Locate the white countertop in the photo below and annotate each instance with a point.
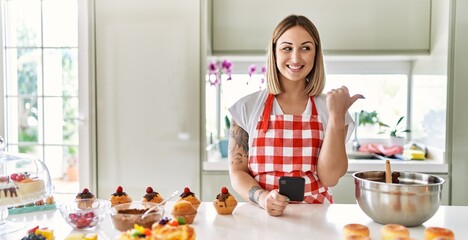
(300, 221)
(425, 166)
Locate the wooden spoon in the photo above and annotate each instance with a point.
(388, 172)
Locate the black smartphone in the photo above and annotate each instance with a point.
(292, 187)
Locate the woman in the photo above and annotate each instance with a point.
(290, 129)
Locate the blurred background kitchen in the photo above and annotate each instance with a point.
(135, 93)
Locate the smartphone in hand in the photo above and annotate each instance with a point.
(292, 187)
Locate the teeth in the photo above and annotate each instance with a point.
(295, 67)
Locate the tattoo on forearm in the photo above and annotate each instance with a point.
(255, 190)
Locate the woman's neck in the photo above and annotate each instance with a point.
(293, 100)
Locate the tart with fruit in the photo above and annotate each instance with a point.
(138, 232)
(173, 229)
(119, 197)
(152, 196)
(224, 202)
(189, 196)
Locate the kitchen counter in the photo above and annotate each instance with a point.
(354, 165)
(300, 221)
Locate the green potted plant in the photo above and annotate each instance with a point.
(396, 132)
(368, 118)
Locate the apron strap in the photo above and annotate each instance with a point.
(314, 109)
(267, 111)
(269, 105)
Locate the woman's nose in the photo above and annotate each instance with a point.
(295, 55)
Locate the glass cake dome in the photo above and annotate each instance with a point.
(23, 180)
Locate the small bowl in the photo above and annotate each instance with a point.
(125, 215)
(83, 218)
(410, 202)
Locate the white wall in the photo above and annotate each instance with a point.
(148, 94)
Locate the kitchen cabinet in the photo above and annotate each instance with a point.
(213, 181)
(147, 81)
(343, 192)
(346, 27)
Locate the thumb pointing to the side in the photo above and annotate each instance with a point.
(354, 98)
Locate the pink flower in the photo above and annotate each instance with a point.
(214, 72)
(263, 75)
(226, 67)
(252, 69)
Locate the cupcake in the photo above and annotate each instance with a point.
(85, 199)
(224, 202)
(189, 196)
(119, 197)
(185, 210)
(152, 196)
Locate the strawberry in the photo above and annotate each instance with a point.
(20, 177)
(85, 191)
(13, 176)
(33, 230)
(224, 190)
(89, 215)
(149, 190)
(186, 190)
(73, 217)
(119, 189)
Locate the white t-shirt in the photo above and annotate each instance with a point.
(246, 112)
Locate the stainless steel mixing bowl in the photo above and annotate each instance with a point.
(411, 202)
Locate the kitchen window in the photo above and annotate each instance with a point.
(40, 100)
(389, 88)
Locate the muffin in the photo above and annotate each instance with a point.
(189, 196)
(185, 210)
(391, 231)
(85, 199)
(438, 232)
(224, 202)
(173, 229)
(119, 197)
(152, 196)
(353, 230)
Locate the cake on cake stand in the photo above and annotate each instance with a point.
(23, 180)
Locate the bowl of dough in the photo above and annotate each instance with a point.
(409, 200)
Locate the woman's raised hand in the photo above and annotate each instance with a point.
(339, 101)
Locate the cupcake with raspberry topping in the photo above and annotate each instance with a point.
(189, 196)
(224, 202)
(85, 199)
(119, 197)
(152, 196)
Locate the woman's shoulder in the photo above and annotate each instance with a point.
(321, 99)
(253, 98)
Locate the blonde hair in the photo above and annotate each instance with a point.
(316, 77)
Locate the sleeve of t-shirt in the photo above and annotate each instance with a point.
(239, 114)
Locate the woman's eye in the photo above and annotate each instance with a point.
(286, 49)
(307, 48)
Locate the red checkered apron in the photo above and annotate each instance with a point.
(288, 145)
